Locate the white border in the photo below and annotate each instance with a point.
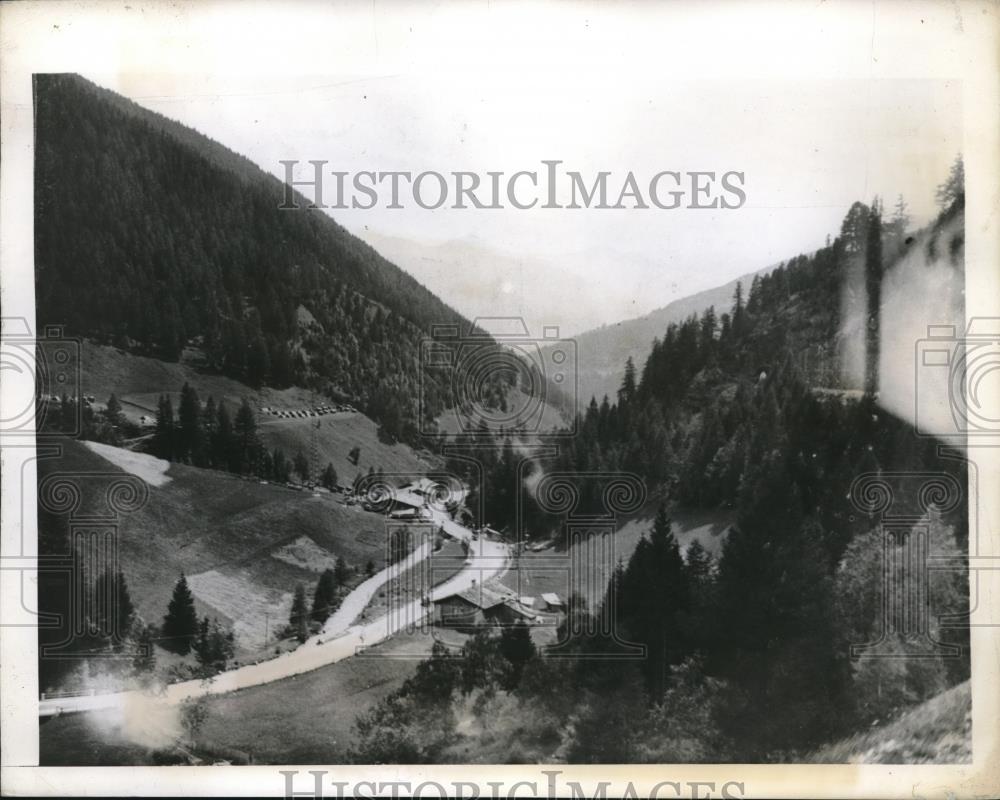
(778, 40)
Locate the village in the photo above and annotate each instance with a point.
(483, 603)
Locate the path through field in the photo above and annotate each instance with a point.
(339, 639)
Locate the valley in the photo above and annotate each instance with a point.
(280, 510)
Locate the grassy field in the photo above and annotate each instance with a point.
(303, 720)
(938, 731)
(334, 438)
(308, 719)
(138, 382)
(224, 533)
(549, 570)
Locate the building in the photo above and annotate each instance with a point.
(552, 602)
(479, 606)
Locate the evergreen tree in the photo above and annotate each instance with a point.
(114, 411)
(280, 467)
(341, 573)
(328, 478)
(699, 564)
(247, 445)
(214, 645)
(223, 444)
(324, 596)
(298, 618)
(952, 191)
(180, 625)
(653, 602)
(113, 607)
(164, 436)
(301, 465)
(189, 434)
(738, 310)
(209, 430)
(628, 388)
(518, 649)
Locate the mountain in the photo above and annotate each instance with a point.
(153, 237)
(486, 282)
(574, 290)
(602, 352)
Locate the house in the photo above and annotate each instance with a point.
(477, 606)
(400, 503)
(552, 602)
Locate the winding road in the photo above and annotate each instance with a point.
(339, 639)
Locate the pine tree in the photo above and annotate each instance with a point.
(114, 411)
(214, 645)
(324, 596)
(298, 618)
(301, 465)
(209, 428)
(952, 191)
(328, 478)
(341, 573)
(189, 424)
(164, 435)
(180, 625)
(854, 228)
(653, 599)
(626, 393)
(280, 466)
(518, 649)
(223, 444)
(738, 310)
(245, 437)
(113, 606)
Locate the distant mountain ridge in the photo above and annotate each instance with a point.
(602, 352)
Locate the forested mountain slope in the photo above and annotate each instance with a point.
(602, 352)
(152, 236)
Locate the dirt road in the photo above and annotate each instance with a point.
(339, 639)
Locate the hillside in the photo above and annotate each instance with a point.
(774, 409)
(138, 381)
(152, 237)
(602, 352)
(243, 545)
(938, 731)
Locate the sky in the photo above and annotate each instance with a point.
(397, 88)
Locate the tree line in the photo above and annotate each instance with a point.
(210, 436)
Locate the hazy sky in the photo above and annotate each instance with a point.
(599, 92)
